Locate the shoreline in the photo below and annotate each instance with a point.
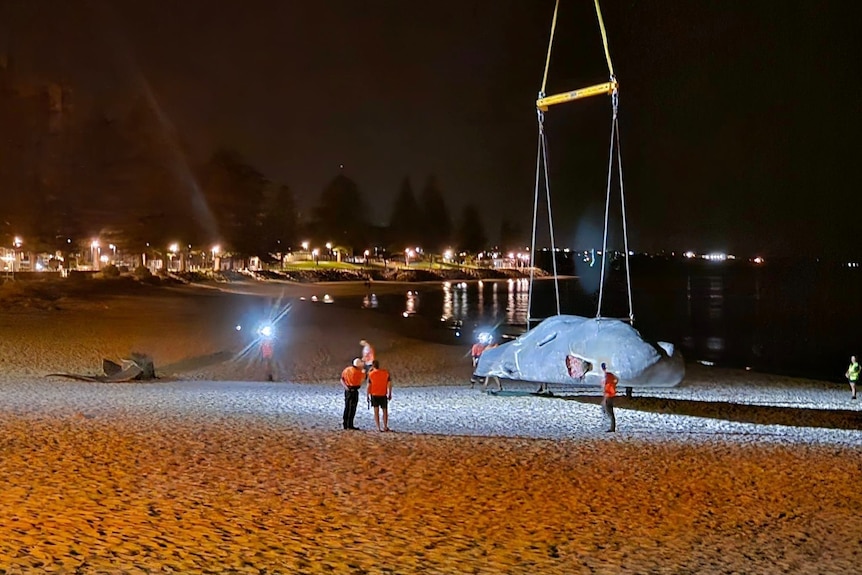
(118, 318)
(213, 470)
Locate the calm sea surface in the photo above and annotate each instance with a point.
(788, 318)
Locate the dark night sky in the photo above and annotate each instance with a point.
(739, 119)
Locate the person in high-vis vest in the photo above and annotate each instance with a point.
(852, 375)
(379, 394)
(609, 383)
(351, 380)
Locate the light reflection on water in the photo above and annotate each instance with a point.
(741, 317)
(464, 302)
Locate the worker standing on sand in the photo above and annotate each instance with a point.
(610, 390)
(367, 356)
(351, 381)
(380, 393)
(852, 375)
(475, 353)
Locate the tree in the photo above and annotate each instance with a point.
(406, 221)
(438, 223)
(340, 214)
(471, 233)
(235, 193)
(280, 219)
(510, 235)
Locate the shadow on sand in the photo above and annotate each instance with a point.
(739, 412)
(199, 362)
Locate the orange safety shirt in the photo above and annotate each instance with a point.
(378, 382)
(352, 376)
(477, 349)
(610, 384)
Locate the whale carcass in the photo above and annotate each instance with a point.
(569, 349)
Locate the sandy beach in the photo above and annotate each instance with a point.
(210, 469)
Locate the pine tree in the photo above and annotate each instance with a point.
(437, 232)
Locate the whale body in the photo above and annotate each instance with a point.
(569, 349)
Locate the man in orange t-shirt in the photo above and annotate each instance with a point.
(380, 392)
(610, 390)
(351, 381)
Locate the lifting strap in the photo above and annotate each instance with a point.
(604, 39)
(542, 104)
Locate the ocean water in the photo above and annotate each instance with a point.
(801, 318)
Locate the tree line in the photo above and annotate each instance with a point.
(120, 176)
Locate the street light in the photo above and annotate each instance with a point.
(95, 253)
(215, 250)
(315, 253)
(16, 245)
(408, 253)
(172, 251)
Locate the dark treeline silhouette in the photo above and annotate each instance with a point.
(119, 173)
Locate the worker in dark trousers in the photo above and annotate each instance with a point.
(351, 380)
(610, 390)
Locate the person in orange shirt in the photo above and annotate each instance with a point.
(475, 353)
(610, 390)
(351, 381)
(368, 356)
(379, 393)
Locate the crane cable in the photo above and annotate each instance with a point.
(542, 159)
(604, 39)
(615, 143)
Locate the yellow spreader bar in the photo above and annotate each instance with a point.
(607, 88)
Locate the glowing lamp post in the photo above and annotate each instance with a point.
(172, 251)
(94, 254)
(408, 253)
(315, 253)
(215, 250)
(17, 242)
